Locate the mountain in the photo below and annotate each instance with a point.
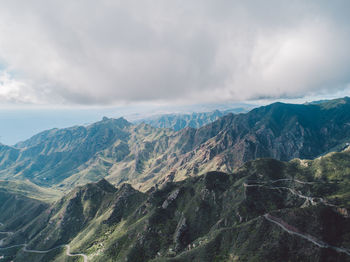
(30, 190)
(180, 121)
(144, 155)
(16, 211)
(55, 154)
(281, 131)
(267, 210)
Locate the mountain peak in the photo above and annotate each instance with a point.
(335, 103)
(105, 185)
(121, 121)
(126, 187)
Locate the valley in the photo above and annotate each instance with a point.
(245, 187)
(175, 131)
(297, 207)
(143, 155)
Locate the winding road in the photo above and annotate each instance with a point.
(294, 231)
(5, 233)
(283, 179)
(311, 200)
(294, 180)
(290, 229)
(74, 255)
(24, 249)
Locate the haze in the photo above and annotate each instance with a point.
(113, 54)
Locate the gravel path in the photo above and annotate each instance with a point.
(24, 248)
(292, 230)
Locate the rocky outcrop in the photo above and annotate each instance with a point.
(180, 234)
(170, 198)
(145, 156)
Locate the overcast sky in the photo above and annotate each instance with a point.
(111, 52)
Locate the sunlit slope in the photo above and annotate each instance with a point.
(144, 156)
(30, 190)
(265, 211)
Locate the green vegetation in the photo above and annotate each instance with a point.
(180, 121)
(214, 217)
(59, 188)
(143, 155)
(31, 190)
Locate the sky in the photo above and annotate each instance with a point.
(109, 52)
(90, 56)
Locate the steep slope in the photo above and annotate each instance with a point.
(281, 131)
(144, 156)
(266, 211)
(17, 210)
(30, 190)
(87, 209)
(53, 155)
(8, 156)
(180, 121)
(19, 207)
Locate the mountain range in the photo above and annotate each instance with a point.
(144, 155)
(268, 185)
(267, 210)
(194, 120)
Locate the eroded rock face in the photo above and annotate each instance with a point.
(180, 238)
(207, 218)
(180, 121)
(145, 155)
(123, 202)
(171, 198)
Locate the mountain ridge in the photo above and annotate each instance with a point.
(266, 210)
(143, 155)
(180, 121)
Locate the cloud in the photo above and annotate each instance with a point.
(11, 90)
(112, 52)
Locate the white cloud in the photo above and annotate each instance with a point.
(108, 52)
(14, 91)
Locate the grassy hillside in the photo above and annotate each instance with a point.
(30, 190)
(16, 211)
(144, 156)
(180, 121)
(267, 210)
